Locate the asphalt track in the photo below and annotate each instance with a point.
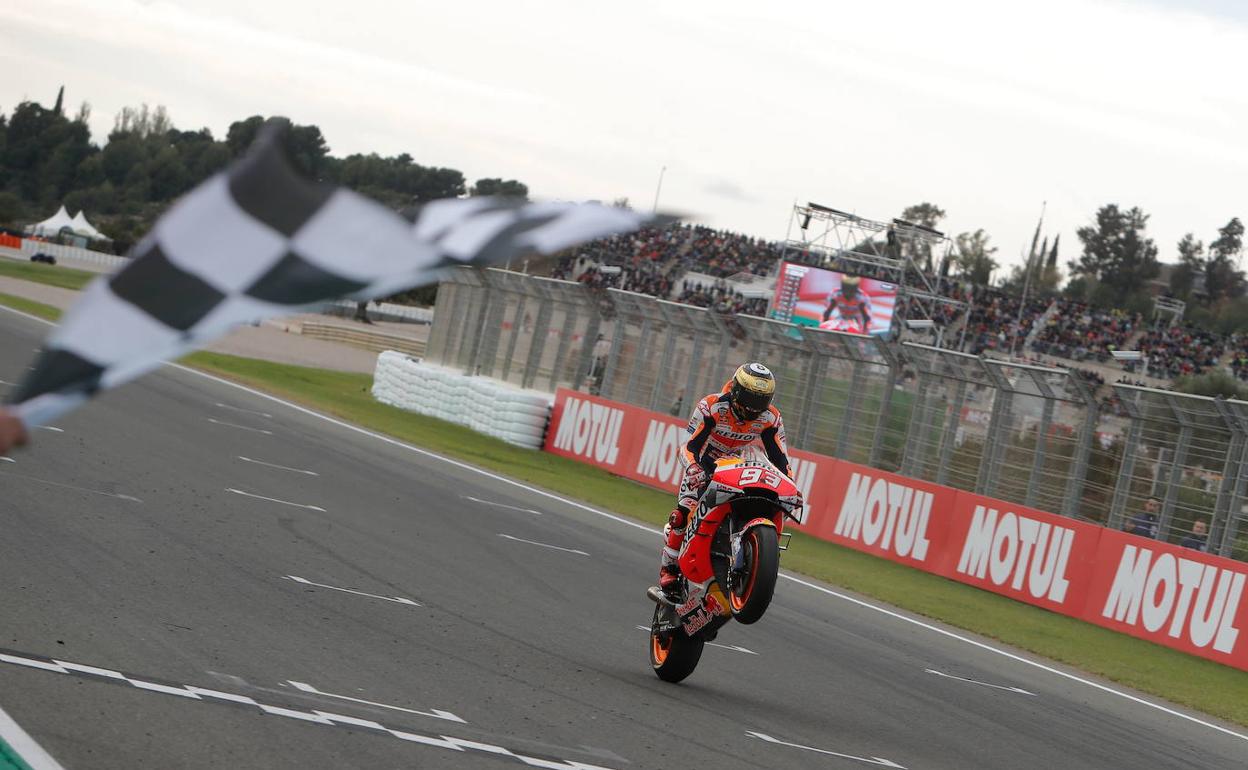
(494, 632)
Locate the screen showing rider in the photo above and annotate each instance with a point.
(723, 424)
(850, 303)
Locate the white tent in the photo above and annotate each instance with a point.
(53, 224)
(82, 227)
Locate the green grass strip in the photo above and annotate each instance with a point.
(38, 309)
(10, 759)
(52, 275)
(1194, 682)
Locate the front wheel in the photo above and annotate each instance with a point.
(673, 655)
(754, 584)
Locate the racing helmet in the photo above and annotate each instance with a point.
(850, 284)
(753, 386)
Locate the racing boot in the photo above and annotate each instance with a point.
(674, 536)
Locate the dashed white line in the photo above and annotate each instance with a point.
(395, 599)
(543, 545)
(215, 421)
(279, 467)
(502, 505)
(70, 486)
(981, 684)
(265, 415)
(275, 500)
(867, 760)
(7, 460)
(732, 647)
(435, 713)
(51, 428)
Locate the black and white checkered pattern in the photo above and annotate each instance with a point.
(258, 241)
(191, 692)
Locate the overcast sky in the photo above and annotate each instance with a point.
(985, 108)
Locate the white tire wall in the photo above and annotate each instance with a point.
(488, 406)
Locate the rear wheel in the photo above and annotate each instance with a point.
(753, 586)
(673, 654)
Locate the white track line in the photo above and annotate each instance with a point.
(279, 467)
(732, 647)
(644, 528)
(543, 545)
(867, 760)
(502, 505)
(7, 460)
(435, 713)
(275, 500)
(245, 411)
(70, 486)
(395, 599)
(215, 421)
(976, 681)
(49, 427)
(27, 750)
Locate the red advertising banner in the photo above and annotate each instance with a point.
(1173, 596)
(1020, 552)
(1170, 595)
(884, 514)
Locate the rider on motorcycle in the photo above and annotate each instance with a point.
(723, 424)
(850, 303)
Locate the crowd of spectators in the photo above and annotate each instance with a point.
(722, 254)
(721, 298)
(1079, 332)
(995, 323)
(1179, 350)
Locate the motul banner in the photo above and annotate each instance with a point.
(1025, 554)
(1173, 596)
(1170, 595)
(881, 513)
(639, 444)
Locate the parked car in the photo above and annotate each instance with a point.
(45, 258)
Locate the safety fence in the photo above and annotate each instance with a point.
(1034, 436)
(73, 253)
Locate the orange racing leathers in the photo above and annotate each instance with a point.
(714, 431)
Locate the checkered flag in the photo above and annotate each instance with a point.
(258, 241)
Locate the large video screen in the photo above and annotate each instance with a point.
(813, 296)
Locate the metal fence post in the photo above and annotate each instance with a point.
(990, 460)
(895, 365)
(857, 383)
(541, 335)
(910, 460)
(948, 436)
(517, 326)
(1042, 437)
(1122, 485)
(1079, 458)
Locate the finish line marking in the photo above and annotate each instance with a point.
(435, 713)
(191, 692)
(543, 545)
(279, 467)
(645, 528)
(395, 599)
(246, 411)
(502, 505)
(981, 684)
(868, 760)
(29, 753)
(215, 421)
(732, 647)
(275, 500)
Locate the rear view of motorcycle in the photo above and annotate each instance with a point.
(730, 560)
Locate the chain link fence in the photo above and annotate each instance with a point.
(1035, 436)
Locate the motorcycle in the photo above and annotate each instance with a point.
(730, 559)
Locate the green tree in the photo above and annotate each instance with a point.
(926, 215)
(1191, 265)
(1117, 253)
(507, 189)
(1223, 278)
(974, 257)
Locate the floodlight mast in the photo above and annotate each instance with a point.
(822, 236)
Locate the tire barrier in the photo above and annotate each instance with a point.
(487, 406)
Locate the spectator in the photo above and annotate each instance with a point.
(1144, 523)
(1198, 538)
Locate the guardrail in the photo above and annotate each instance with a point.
(73, 253)
(383, 311)
(377, 341)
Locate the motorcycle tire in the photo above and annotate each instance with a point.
(751, 593)
(676, 657)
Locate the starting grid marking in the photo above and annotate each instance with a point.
(327, 718)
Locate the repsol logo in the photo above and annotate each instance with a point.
(590, 430)
(1193, 601)
(886, 514)
(1023, 552)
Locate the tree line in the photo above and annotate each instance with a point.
(48, 159)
